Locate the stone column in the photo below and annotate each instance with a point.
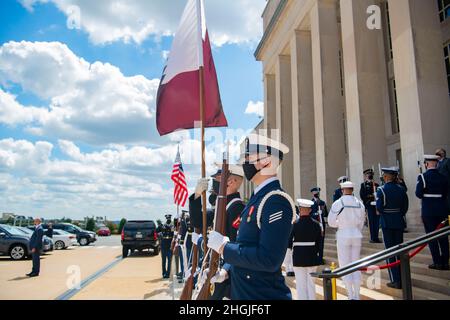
(328, 100)
(284, 119)
(423, 102)
(269, 102)
(366, 88)
(304, 149)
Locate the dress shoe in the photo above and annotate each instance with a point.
(394, 285)
(29, 274)
(32, 275)
(445, 267)
(435, 267)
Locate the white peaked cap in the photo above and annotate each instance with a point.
(236, 170)
(257, 139)
(342, 178)
(347, 185)
(303, 203)
(429, 157)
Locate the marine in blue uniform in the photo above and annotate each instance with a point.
(338, 192)
(392, 205)
(319, 213)
(432, 189)
(256, 257)
(166, 237)
(367, 194)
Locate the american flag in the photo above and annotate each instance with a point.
(180, 193)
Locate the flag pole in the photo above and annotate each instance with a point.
(202, 120)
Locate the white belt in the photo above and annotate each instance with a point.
(432, 195)
(304, 244)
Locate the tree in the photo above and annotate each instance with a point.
(121, 224)
(111, 226)
(90, 224)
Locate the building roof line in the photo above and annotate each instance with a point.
(271, 26)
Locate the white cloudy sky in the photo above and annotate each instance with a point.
(77, 107)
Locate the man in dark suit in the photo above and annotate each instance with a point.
(36, 247)
(444, 169)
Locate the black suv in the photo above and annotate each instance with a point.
(139, 235)
(84, 237)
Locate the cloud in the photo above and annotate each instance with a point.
(255, 108)
(94, 103)
(108, 21)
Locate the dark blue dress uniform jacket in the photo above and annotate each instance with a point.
(392, 204)
(433, 194)
(255, 259)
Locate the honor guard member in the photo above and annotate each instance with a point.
(166, 237)
(256, 257)
(235, 206)
(306, 235)
(444, 169)
(288, 263)
(338, 192)
(367, 194)
(392, 205)
(320, 213)
(432, 190)
(348, 215)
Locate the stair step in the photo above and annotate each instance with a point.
(436, 284)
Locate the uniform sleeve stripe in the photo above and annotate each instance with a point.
(274, 220)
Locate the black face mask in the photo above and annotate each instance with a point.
(250, 171)
(216, 186)
(370, 177)
(168, 221)
(317, 196)
(212, 199)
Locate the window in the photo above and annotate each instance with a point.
(447, 63)
(389, 53)
(444, 9)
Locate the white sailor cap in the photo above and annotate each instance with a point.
(342, 179)
(429, 157)
(256, 143)
(303, 203)
(347, 185)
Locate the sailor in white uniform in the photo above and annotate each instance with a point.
(348, 216)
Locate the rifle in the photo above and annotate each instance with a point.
(186, 294)
(221, 217)
(374, 185)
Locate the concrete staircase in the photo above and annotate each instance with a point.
(427, 284)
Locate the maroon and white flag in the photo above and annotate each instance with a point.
(178, 101)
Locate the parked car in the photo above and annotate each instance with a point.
(14, 243)
(84, 237)
(63, 239)
(104, 232)
(47, 243)
(139, 235)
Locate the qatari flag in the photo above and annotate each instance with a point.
(178, 101)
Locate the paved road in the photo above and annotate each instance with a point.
(54, 270)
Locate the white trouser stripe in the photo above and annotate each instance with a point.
(304, 244)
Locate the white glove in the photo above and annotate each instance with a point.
(195, 238)
(217, 242)
(220, 276)
(179, 237)
(202, 186)
(187, 274)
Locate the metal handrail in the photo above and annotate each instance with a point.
(401, 250)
